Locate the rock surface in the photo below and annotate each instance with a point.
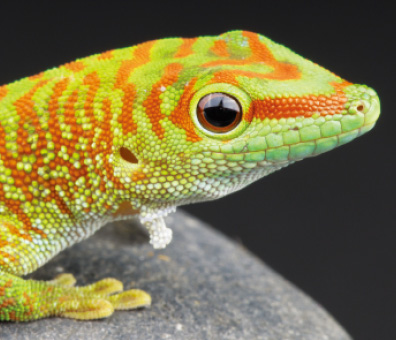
(203, 286)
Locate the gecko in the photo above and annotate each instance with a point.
(138, 131)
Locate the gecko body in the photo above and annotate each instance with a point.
(140, 130)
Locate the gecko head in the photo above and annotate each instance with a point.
(233, 108)
(265, 109)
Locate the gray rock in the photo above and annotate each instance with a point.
(203, 286)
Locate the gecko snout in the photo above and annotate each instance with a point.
(363, 100)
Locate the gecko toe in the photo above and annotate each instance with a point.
(130, 299)
(86, 309)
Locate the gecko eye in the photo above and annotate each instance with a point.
(219, 112)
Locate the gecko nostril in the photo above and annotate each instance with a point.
(128, 156)
(360, 108)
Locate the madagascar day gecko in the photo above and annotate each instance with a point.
(141, 130)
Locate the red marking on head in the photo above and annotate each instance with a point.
(185, 48)
(180, 115)
(106, 55)
(259, 54)
(220, 48)
(141, 56)
(225, 76)
(153, 101)
(340, 86)
(304, 106)
(75, 66)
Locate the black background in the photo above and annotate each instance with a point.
(328, 223)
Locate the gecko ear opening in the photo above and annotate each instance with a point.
(128, 156)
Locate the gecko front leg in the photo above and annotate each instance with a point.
(160, 235)
(24, 300)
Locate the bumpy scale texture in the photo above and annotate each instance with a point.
(117, 134)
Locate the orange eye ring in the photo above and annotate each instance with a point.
(219, 112)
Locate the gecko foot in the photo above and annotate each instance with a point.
(32, 299)
(100, 299)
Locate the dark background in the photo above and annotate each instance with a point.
(326, 224)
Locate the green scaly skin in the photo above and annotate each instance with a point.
(120, 134)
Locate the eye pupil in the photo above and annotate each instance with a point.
(219, 112)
